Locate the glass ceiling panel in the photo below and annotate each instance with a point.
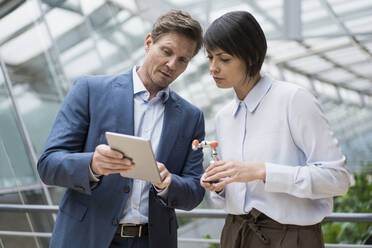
(282, 50)
(184, 2)
(131, 26)
(347, 55)
(363, 85)
(312, 10)
(368, 45)
(338, 75)
(327, 90)
(25, 46)
(88, 6)
(325, 30)
(81, 59)
(350, 96)
(20, 17)
(360, 25)
(343, 6)
(60, 21)
(363, 67)
(217, 11)
(310, 64)
(328, 44)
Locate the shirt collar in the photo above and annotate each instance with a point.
(139, 88)
(255, 96)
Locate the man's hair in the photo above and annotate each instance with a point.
(239, 34)
(180, 22)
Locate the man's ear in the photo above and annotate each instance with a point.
(148, 42)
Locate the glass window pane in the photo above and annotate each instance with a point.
(13, 151)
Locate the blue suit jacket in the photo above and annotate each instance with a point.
(89, 217)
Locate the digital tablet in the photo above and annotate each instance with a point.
(140, 151)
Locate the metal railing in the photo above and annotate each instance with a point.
(196, 213)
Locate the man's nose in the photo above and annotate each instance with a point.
(172, 63)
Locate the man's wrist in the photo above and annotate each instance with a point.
(163, 193)
(94, 177)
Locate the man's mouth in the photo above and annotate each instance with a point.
(166, 74)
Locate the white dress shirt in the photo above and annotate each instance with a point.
(148, 124)
(281, 125)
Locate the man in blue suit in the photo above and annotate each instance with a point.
(101, 208)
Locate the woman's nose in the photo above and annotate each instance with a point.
(213, 67)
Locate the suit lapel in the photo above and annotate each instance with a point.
(172, 114)
(122, 104)
(122, 113)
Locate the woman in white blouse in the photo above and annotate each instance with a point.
(280, 165)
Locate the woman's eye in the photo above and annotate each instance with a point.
(225, 60)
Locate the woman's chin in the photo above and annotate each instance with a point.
(222, 86)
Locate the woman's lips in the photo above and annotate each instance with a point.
(217, 79)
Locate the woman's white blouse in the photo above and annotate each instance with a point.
(281, 125)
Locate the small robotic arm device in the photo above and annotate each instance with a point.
(211, 144)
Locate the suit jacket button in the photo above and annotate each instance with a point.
(126, 189)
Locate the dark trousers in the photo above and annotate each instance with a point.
(119, 242)
(256, 230)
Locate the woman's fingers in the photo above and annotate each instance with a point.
(214, 165)
(220, 175)
(205, 184)
(218, 186)
(220, 171)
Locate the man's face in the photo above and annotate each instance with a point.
(166, 59)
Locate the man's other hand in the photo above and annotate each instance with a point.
(166, 177)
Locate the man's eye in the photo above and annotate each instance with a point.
(167, 52)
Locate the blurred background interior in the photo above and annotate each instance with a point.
(322, 45)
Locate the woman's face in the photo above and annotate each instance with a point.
(227, 70)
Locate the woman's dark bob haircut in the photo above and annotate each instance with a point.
(238, 34)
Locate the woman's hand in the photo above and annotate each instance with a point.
(209, 186)
(231, 171)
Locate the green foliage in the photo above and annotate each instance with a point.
(184, 220)
(357, 200)
(211, 245)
